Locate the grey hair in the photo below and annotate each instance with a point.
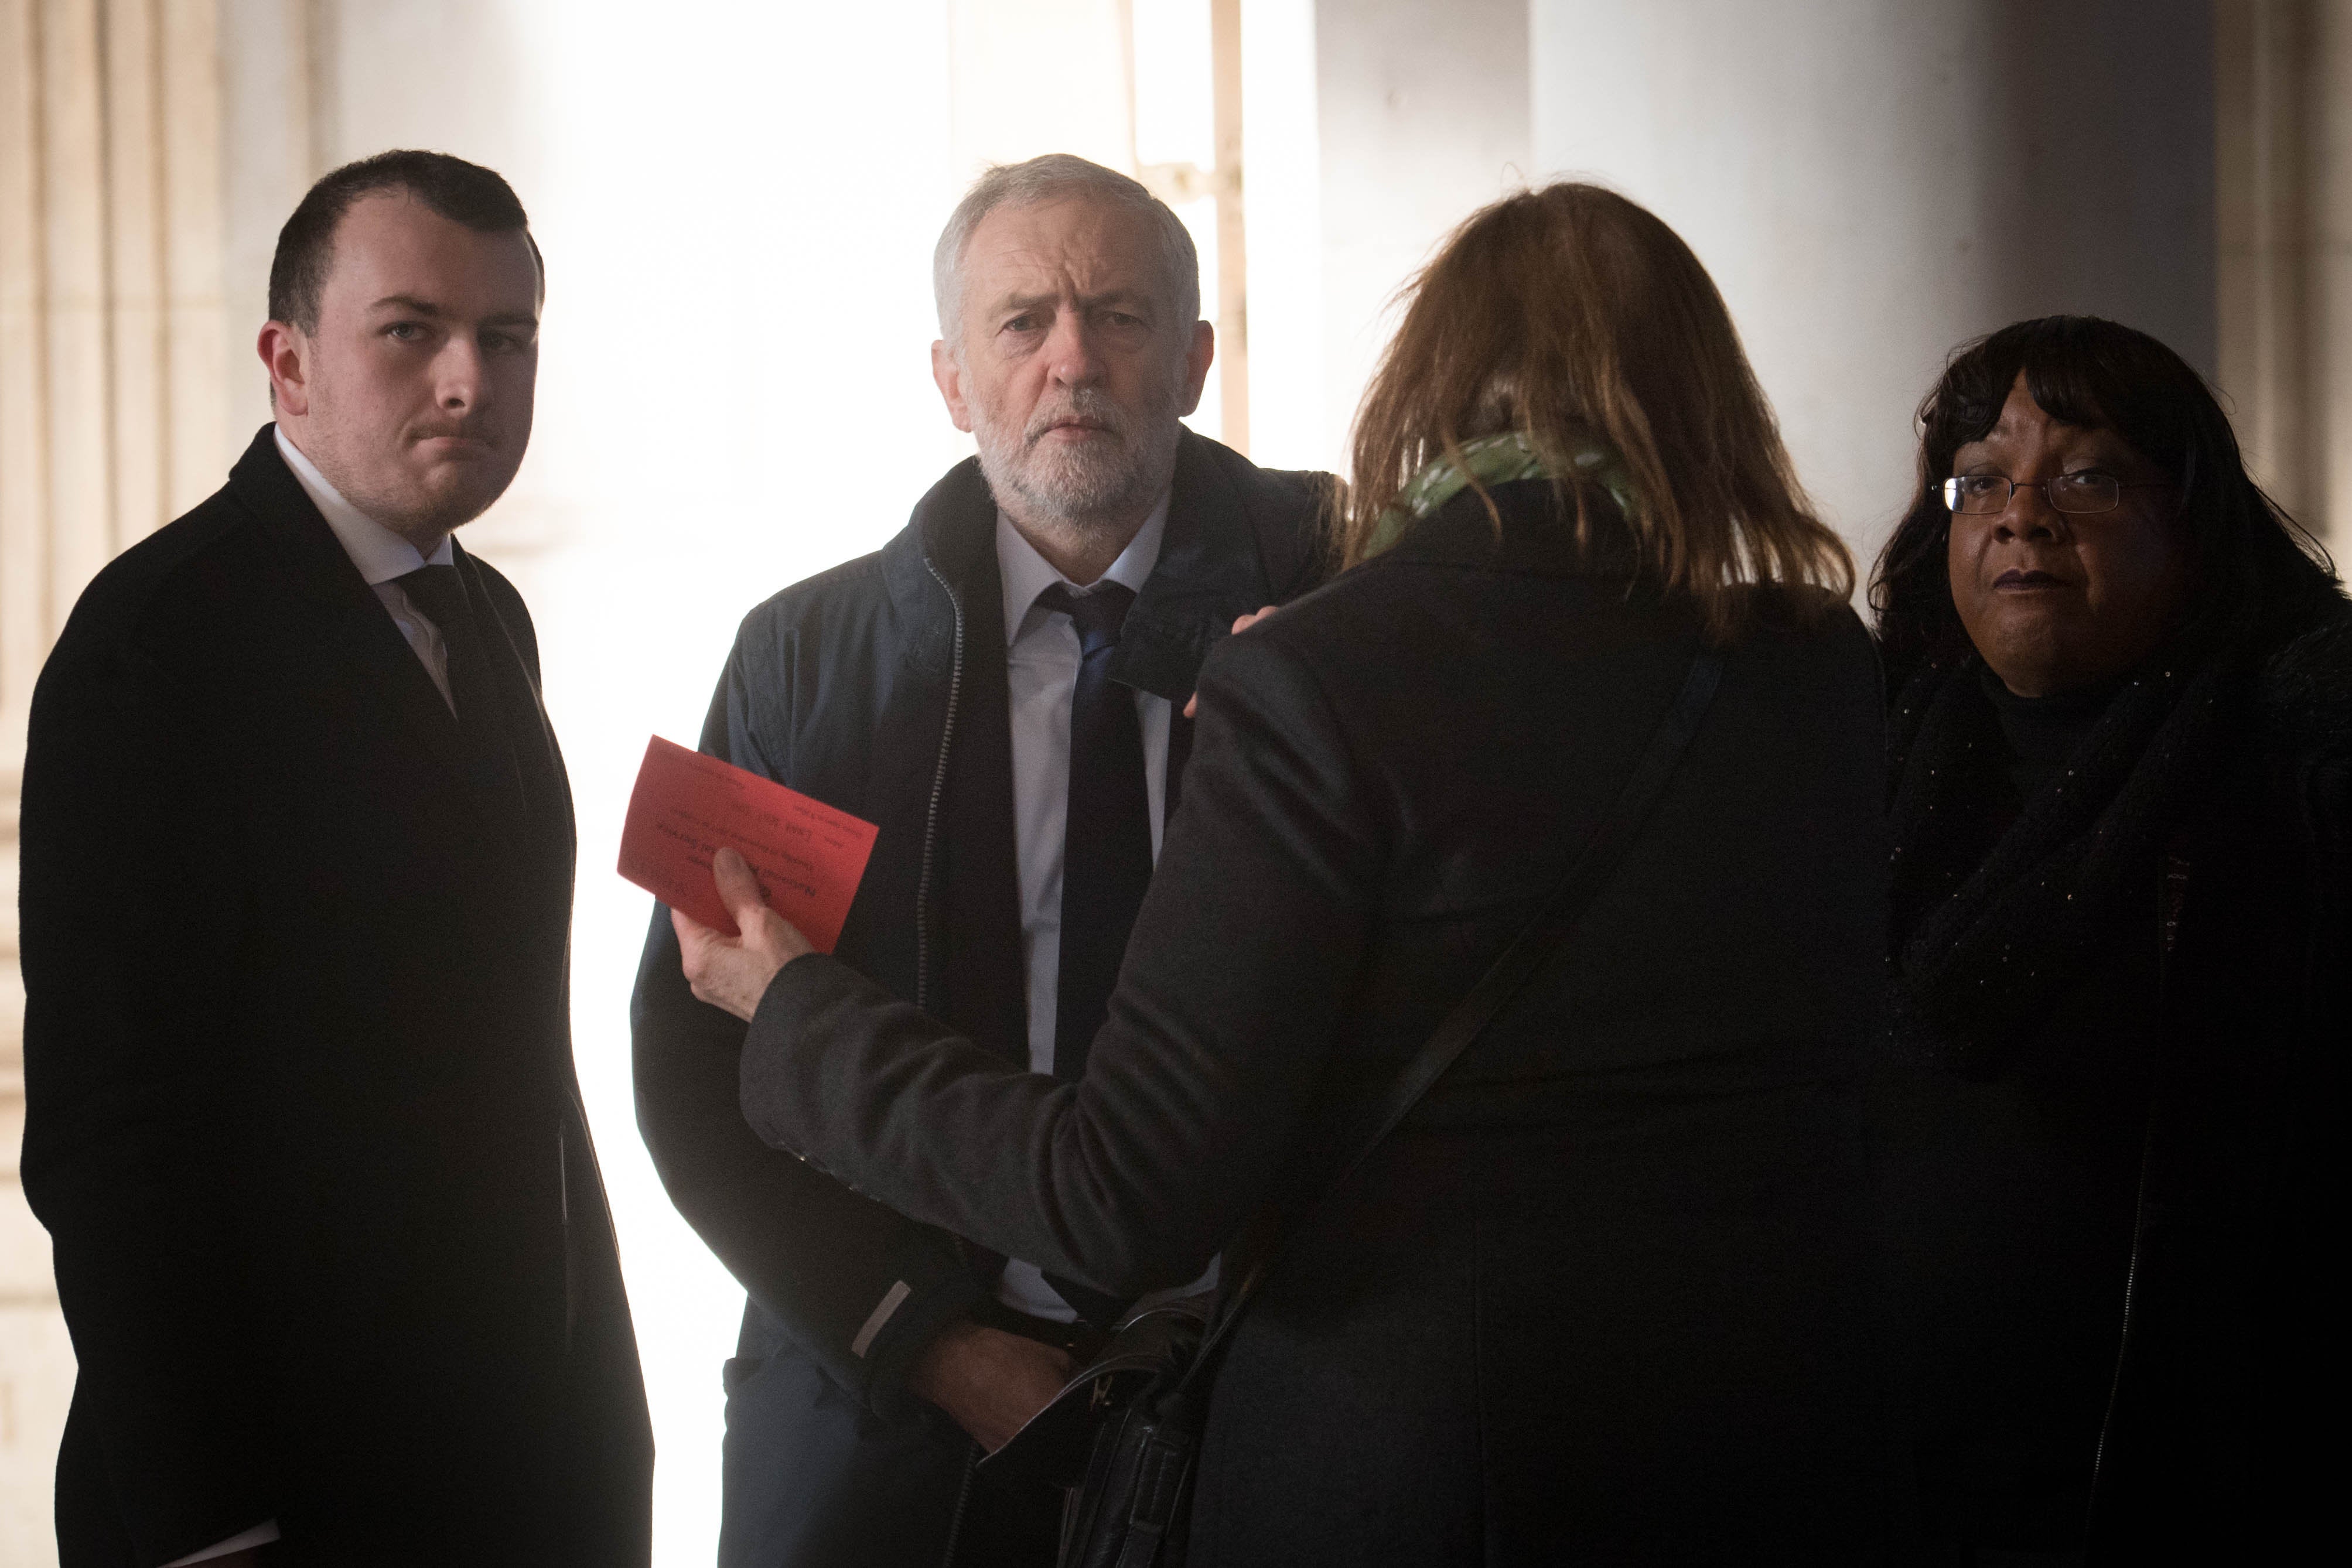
(1059, 176)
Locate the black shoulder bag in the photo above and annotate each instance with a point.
(1122, 1437)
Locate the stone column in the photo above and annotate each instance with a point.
(2283, 72)
(113, 347)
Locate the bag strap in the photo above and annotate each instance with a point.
(1534, 946)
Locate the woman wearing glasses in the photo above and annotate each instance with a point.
(2122, 782)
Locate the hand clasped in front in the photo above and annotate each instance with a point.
(734, 972)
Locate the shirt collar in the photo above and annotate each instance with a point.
(1026, 574)
(379, 553)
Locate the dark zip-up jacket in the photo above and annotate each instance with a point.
(879, 688)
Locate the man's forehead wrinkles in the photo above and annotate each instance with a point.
(1020, 300)
(1033, 272)
(1084, 281)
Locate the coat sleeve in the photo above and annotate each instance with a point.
(130, 900)
(860, 1288)
(1244, 954)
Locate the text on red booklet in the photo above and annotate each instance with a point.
(687, 806)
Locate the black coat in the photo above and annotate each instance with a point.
(1606, 1295)
(879, 688)
(300, 1112)
(2218, 873)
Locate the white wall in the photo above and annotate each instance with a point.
(1872, 181)
(1283, 221)
(1424, 117)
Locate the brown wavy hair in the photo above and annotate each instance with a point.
(1572, 309)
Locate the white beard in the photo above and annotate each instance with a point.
(1101, 484)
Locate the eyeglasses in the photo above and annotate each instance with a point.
(1985, 494)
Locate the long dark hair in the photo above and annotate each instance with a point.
(2251, 564)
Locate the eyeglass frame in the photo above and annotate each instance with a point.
(2049, 497)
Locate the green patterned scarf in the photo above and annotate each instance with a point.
(1497, 460)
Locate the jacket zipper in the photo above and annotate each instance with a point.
(938, 792)
(2123, 1340)
(923, 950)
(963, 1504)
(2174, 893)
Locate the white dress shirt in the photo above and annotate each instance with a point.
(381, 555)
(1041, 657)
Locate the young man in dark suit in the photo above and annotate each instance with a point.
(1000, 689)
(298, 855)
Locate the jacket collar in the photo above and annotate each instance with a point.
(346, 619)
(948, 543)
(1210, 570)
(1537, 533)
(1024, 574)
(381, 555)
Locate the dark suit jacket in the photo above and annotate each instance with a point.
(1606, 1296)
(879, 687)
(300, 1113)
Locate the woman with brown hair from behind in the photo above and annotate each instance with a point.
(1603, 1295)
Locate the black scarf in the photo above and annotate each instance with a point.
(1991, 923)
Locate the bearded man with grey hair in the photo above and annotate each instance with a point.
(1000, 689)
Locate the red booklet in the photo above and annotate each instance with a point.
(687, 806)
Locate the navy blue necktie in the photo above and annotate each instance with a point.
(440, 593)
(1106, 853)
(1106, 846)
